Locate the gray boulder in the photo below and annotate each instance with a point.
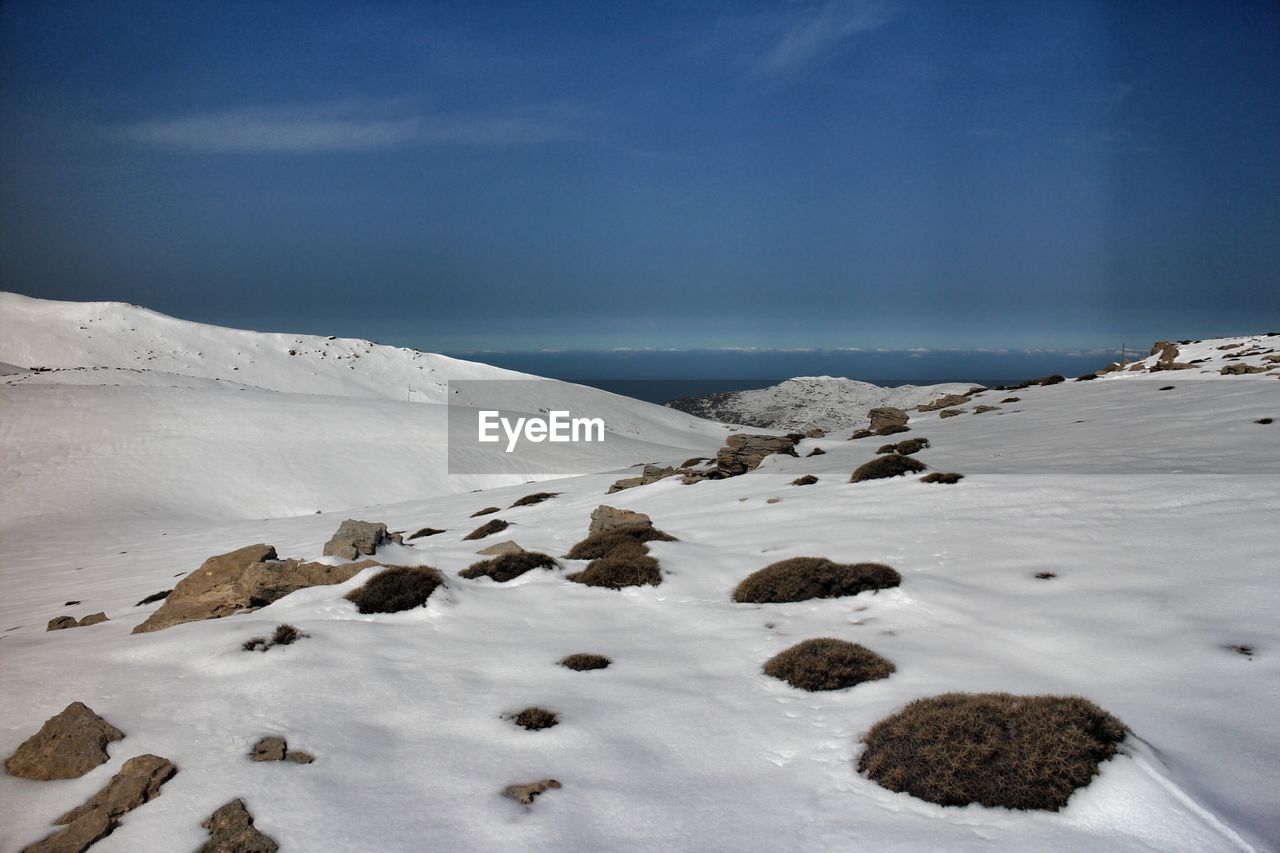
(231, 830)
(354, 538)
(742, 453)
(606, 518)
(887, 416)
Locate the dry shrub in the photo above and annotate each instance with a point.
(535, 498)
(585, 662)
(892, 465)
(599, 544)
(489, 510)
(486, 529)
(152, 598)
(1019, 752)
(861, 433)
(396, 588)
(535, 719)
(256, 644)
(285, 635)
(817, 451)
(626, 566)
(827, 664)
(1046, 576)
(1086, 377)
(940, 477)
(426, 531)
(1052, 380)
(507, 567)
(804, 578)
(806, 480)
(1011, 400)
(1263, 421)
(905, 448)
(893, 429)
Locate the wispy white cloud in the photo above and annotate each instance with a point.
(337, 128)
(805, 34)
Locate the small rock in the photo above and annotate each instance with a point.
(68, 745)
(944, 402)
(525, 793)
(58, 623)
(604, 518)
(231, 830)
(93, 619)
(270, 748)
(887, 416)
(354, 538)
(500, 548)
(650, 474)
(951, 413)
(297, 756)
(977, 410)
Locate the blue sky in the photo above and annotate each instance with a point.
(465, 176)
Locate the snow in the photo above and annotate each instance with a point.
(1156, 510)
(805, 402)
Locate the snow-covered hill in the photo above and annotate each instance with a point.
(826, 402)
(112, 409)
(1112, 539)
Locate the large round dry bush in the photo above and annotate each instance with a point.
(585, 662)
(600, 544)
(892, 465)
(507, 567)
(827, 664)
(489, 510)
(946, 477)
(996, 749)
(396, 588)
(622, 567)
(486, 529)
(803, 578)
(806, 480)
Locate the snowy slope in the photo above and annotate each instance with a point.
(1155, 510)
(1207, 358)
(125, 404)
(826, 402)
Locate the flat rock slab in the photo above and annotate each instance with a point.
(137, 783)
(606, 518)
(525, 793)
(354, 538)
(501, 548)
(68, 745)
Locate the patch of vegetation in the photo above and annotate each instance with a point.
(892, 465)
(1165, 388)
(1044, 576)
(396, 588)
(1011, 400)
(585, 662)
(284, 635)
(805, 578)
(817, 451)
(806, 480)
(152, 598)
(599, 544)
(535, 719)
(861, 433)
(488, 528)
(946, 478)
(905, 448)
(995, 749)
(256, 644)
(893, 429)
(1086, 377)
(426, 531)
(1052, 380)
(535, 498)
(1263, 421)
(507, 567)
(489, 510)
(827, 664)
(627, 566)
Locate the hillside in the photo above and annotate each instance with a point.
(1110, 539)
(826, 402)
(108, 410)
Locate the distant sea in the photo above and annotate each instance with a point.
(658, 376)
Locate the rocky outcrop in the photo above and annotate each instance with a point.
(58, 623)
(1240, 369)
(231, 830)
(650, 474)
(887, 417)
(499, 549)
(68, 745)
(137, 783)
(742, 453)
(951, 413)
(606, 518)
(526, 792)
(247, 578)
(354, 538)
(978, 410)
(1166, 350)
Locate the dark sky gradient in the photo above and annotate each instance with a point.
(459, 176)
